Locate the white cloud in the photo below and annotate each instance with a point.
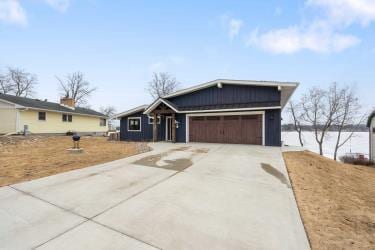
(60, 5)
(294, 39)
(12, 12)
(235, 26)
(346, 12)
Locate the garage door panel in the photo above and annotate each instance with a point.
(245, 129)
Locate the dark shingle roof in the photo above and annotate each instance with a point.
(40, 104)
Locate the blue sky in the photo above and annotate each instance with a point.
(118, 44)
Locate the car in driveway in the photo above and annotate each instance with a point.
(178, 196)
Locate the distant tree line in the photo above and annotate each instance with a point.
(323, 110)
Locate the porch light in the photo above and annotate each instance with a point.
(177, 123)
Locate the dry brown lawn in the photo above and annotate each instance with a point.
(336, 201)
(27, 158)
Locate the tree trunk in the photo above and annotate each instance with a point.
(321, 148)
(300, 137)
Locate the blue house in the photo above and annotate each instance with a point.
(220, 111)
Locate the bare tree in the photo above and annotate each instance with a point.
(5, 85)
(295, 112)
(108, 111)
(162, 84)
(348, 117)
(320, 108)
(19, 82)
(75, 86)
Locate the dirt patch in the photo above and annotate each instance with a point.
(177, 165)
(181, 149)
(201, 150)
(336, 201)
(275, 173)
(26, 158)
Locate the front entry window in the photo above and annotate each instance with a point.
(134, 124)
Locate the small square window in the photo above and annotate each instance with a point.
(151, 120)
(103, 122)
(134, 124)
(41, 116)
(67, 118)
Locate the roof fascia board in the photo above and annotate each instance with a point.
(228, 110)
(156, 103)
(65, 112)
(234, 82)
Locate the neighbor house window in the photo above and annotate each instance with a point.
(41, 116)
(103, 122)
(151, 120)
(67, 118)
(134, 124)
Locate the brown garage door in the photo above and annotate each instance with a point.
(244, 129)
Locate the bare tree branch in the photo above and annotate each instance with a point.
(295, 112)
(75, 86)
(18, 82)
(162, 84)
(348, 116)
(108, 111)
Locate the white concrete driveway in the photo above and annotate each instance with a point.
(179, 196)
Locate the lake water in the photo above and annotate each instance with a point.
(359, 143)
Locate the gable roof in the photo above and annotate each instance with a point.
(48, 106)
(372, 115)
(157, 102)
(286, 88)
(132, 111)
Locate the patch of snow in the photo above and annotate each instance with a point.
(359, 143)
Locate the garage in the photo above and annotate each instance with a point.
(239, 129)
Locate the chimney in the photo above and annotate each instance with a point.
(68, 102)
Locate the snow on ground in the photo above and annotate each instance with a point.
(359, 143)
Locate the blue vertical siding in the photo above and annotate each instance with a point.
(181, 130)
(273, 127)
(227, 95)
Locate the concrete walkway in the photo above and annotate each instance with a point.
(178, 196)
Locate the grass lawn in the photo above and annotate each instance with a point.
(32, 157)
(336, 201)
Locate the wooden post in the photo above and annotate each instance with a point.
(154, 129)
(173, 127)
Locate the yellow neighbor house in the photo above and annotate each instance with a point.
(26, 115)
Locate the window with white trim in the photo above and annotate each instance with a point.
(41, 116)
(151, 120)
(134, 124)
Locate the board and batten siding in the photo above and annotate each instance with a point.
(54, 124)
(229, 95)
(146, 129)
(272, 126)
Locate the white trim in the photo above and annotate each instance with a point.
(236, 82)
(158, 118)
(17, 121)
(134, 118)
(156, 103)
(263, 113)
(166, 127)
(224, 110)
(131, 111)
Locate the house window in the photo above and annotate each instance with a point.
(41, 116)
(67, 118)
(134, 124)
(151, 120)
(103, 122)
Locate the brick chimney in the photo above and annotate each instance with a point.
(68, 102)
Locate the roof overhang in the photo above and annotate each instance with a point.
(131, 111)
(286, 88)
(156, 103)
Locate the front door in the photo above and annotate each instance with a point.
(168, 128)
